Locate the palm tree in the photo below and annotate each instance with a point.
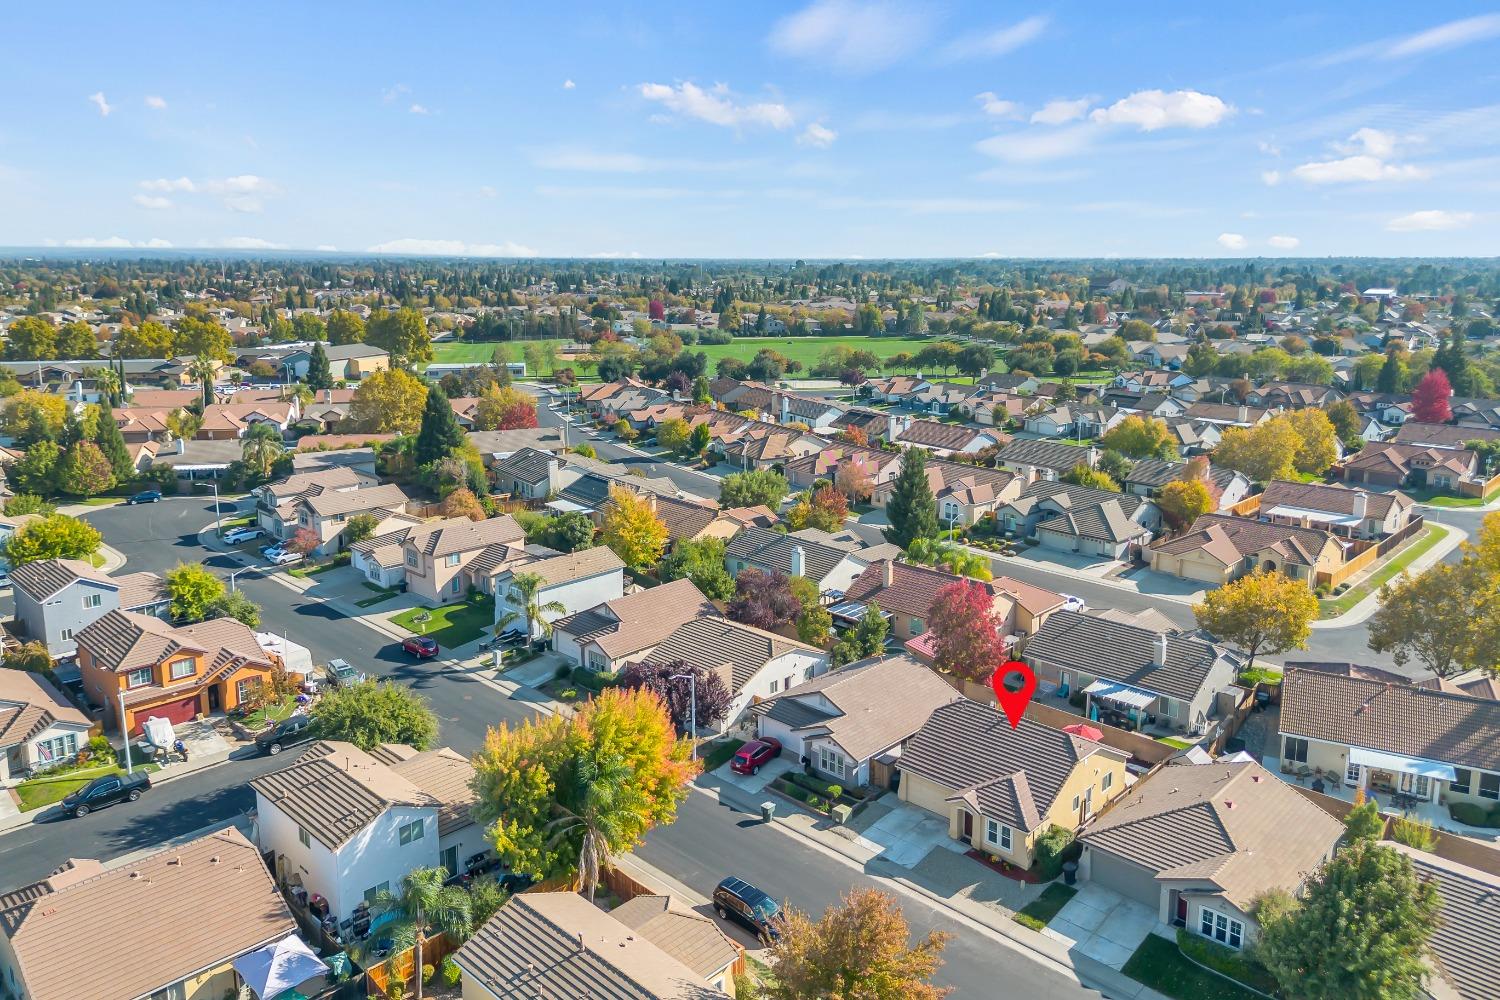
(524, 593)
(604, 793)
(425, 907)
(262, 447)
(109, 385)
(204, 369)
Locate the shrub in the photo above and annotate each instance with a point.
(1027, 920)
(568, 694)
(451, 972)
(594, 680)
(562, 671)
(1053, 847)
(1415, 833)
(1225, 961)
(427, 973)
(1473, 815)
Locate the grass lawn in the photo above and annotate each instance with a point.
(719, 753)
(263, 717)
(804, 349)
(382, 594)
(1158, 964)
(452, 624)
(1174, 742)
(39, 792)
(95, 559)
(1039, 912)
(100, 501)
(306, 571)
(1433, 534)
(1443, 500)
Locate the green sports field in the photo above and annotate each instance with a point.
(804, 349)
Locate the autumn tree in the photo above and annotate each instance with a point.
(192, 590)
(144, 340)
(752, 489)
(764, 600)
(707, 694)
(967, 640)
(1317, 446)
(84, 471)
(31, 338)
(1447, 617)
(345, 327)
(1140, 437)
(673, 434)
(55, 536)
(911, 509)
(1082, 475)
(303, 542)
(1263, 612)
(824, 508)
(852, 479)
(702, 561)
(504, 408)
(1183, 501)
(402, 334)
(632, 529)
(30, 416)
(1263, 453)
(388, 402)
(1429, 400)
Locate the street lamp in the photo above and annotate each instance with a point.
(242, 569)
(218, 524)
(692, 680)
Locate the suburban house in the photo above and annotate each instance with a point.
(753, 663)
(879, 467)
(1148, 476)
(38, 726)
(347, 824)
(1043, 460)
(352, 362)
(1386, 463)
(625, 629)
(558, 944)
(276, 502)
(1443, 435)
(964, 493)
(58, 598)
(529, 473)
(1000, 788)
(1219, 548)
(441, 561)
(230, 421)
(761, 446)
(947, 439)
(207, 902)
(1466, 968)
(850, 724)
(327, 514)
(892, 388)
(153, 669)
(1080, 519)
(1132, 677)
(1199, 843)
(1423, 743)
(905, 593)
(577, 580)
(382, 559)
(831, 568)
(1345, 512)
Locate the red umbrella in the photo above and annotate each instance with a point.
(1086, 731)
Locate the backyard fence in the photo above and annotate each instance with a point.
(1478, 487)
(1461, 850)
(1368, 551)
(434, 950)
(1248, 507)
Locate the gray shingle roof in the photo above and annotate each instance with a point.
(1104, 519)
(1124, 653)
(1156, 473)
(1044, 454)
(773, 551)
(714, 643)
(1464, 941)
(528, 465)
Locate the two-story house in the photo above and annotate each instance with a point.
(576, 581)
(276, 502)
(440, 561)
(327, 514)
(58, 598)
(830, 567)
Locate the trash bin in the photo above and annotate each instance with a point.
(1070, 872)
(767, 811)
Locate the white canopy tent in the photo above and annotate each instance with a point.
(1120, 694)
(279, 966)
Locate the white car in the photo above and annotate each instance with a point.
(4, 578)
(1071, 603)
(282, 557)
(244, 533)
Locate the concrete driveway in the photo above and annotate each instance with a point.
(906, 835)
(754, 783)
(1103, 925)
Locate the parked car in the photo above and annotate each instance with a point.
(244, 533)
(738, 900)
(284, 557)
(512, 636)
(420, 646)
(286, 733)
(106, 791)
(145, 496)
(266, 550)
(4, 578)
(341, 674)
(1071, 603)
(751, 757)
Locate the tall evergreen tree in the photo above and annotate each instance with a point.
(1453, 358)
(112, 443)
(440, 435)
(319, 374)
(1389, 379)
(912, 510)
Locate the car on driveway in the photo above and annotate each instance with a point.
(4, 578)
(283, 557)
(106, 791)
(738, 900)
(145, 496)
(751, 757)
(420, 646)
(244, 533)
(342, 674)
(286, 733)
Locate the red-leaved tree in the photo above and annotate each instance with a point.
(965, 629)
(764, 600)
(517, 415)
(1429, 400)
(712, 698)
(303, 541)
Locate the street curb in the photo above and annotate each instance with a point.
(1362, 611)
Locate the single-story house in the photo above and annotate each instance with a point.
(1466, 968)
(1219, 548)
(608, 635)
(39, 727)
(947, 439)
(1043, 460)
(879, 466)
(576, 580)
(905, 592)
(832, 568)
(1080, 519)
(1386, 463)
(1148, 475)
(1341, 510)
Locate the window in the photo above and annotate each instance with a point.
(66, 634)
(1462, 781)
(455, 585)
(1294, 750)
(788, 682)
(92, 600)
(244, 688)
(997, 834)
(1489, 785)
(1220, 928)
(917, 628)
(1075, 803)
(1167, 707)
(830, 761)
(136, 678)
(1351, 774)
(181, 669)
(775, 686)
(57, 748)
(303, 837)
(375, 891)
(453, 559)
(411, 558)
(174, 992)
(411, 831)
(1107, 782)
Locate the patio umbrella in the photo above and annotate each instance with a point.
(275, 969)
(1086, 731)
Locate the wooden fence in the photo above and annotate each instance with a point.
(1369, 551)
(1248, 507)
(434, 950)
(1461, 850)
(1479, 488)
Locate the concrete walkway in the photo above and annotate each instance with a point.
(1371, 603)
(1102, 924)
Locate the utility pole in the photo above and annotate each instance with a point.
(125, 734)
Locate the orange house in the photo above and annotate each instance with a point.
(177, 673)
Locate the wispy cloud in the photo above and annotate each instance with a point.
(1284, 242)
(1061, 111)
(855, 36)
(1231, 241)
(717, 105)
(241, 193)
(452, 248)
(1430, 220)
(1036, 146)
(419, 109)
(606, 161)
(156, 103)
(996, 107)
(878, 120)
(246, 243)
(108, 242)
(99, 102)
(1447, 36)
(1000, 41)
(817, 135)
(155, 202)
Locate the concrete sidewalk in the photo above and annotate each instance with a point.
(1370, 604)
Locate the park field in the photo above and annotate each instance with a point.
(804, 349)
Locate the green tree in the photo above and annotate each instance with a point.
(752, 489)
(673, 434)
(388, 402)
(372, 712)
(28, 503)
(192, 589)
(525, 597)
(261, 447)
(1445, 617)
(202, 337)
(203, 370)
(426, 906)
(912, 510)
(1264, 612)
(37, 470)
(698, 441)
(1364, 821)
(702, 561)
(76, 342)
(1140, 437)
(234, 604)
(31, 338)
(440, 434)
(1392, 374)
(112, 444)
(1082, 475)
(145, 340)
(402, 334)
(360, 527)
(84, 471)
(319, 373)
(1346, 423)
(56, 536)
(345, 327)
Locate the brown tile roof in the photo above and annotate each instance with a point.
(445, 775)
(691, 938)
(306, 483)
(29, 704)
(124, 640)
(1405, 719)
(335, 790)
(205, 902)
(685, 518)
(1232, 824)
(1330, 498)
(1229, 539)
(570, 566)
(459, 534)
(934, 434)
(238, 416)
(1464, 942)
(637, 621)
(1387, 456)
(1442, 435)
(388, 496)
(914, 588)
(737, 651)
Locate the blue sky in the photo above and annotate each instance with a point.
(837, 128)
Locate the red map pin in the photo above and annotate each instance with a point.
(1013, 702)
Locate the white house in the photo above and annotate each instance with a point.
(608, 635)
(38, 726)
(577, 580)
(754, 664)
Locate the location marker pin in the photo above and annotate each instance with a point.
(1013, 702)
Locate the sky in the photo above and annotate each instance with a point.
(831, 128)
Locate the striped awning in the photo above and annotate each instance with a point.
(1120, 694)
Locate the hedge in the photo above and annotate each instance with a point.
(1226, 961)
(1474, 815)
(1054, 847)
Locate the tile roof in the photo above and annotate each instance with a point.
(45, 578)
(387, 496)
(206, 902)
(1404, 719)
(459, 534)
(1012, 775)
(1156, 472)
(685, 518)
(1464, 942)
(772, 550)
(1232, 824)
(124, 640)
(1104, 519)
(29, 703)
(913, 589)
(529, 465)
(737, 651)
(1125, 654)
(629, 624)
(1229, 539)
(1044, 454)
(1393, 458)
(445, 775)
(947, 437)
(691, 938)
(570, 566)
(1331, 498)
(335, 790)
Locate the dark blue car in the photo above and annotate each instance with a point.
(146, 496)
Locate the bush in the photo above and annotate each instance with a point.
(562, 671)
(1027, 920)
(1473, 815)
(451, 972)
(568, 694)
(1258, 675)
(1226, 961)
(427, 973)
(1053, 847)
(1415, 833)
(594, 680)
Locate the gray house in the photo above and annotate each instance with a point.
(58, 598)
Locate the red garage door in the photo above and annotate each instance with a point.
(175, 712)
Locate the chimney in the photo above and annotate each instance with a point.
(1160, 656)
(327, 395)
(786, 410)
(581, 946)
(799, 561)
(1244, 415)
(888, 572)
(181, 446)
(1361, 504)
(1093, 456)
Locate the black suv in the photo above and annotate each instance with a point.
(286, 733)
(736, 899)
(106, 791)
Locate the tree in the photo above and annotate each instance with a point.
(1429, 400)
(388, 402)
(261, 447)
(859, 949)
(234, 604)
(673, 434)
(192, 589)
(37, 470)
(1317, 446)
(84, 471)
(1392, 374)
(463, 503)
(426, 906)
(145, 340)
(1266, 452)
(204, 338)
(345, 327)
(1364, 821)
(504, 408)
(303, 542)
(566, 532)
(319, 372)
(825, 509)
(867, 639)
(1359, 932)
(31, 338)
(76, 341)
(702, 561)
(1082, 475)
(1183, 501)
(525, 595)
(30, 416)
(1263, 612)
(707, 695)
(814, 625)
(373, 712)
(1114, 465)
(632, 529)
(402, 334)
(1445, 617)
(439, 435)
(852, 478)
(912, 510)
(966, 631)
(753, 489)
(112, 445)
(561, 796)
(360, 527)
(1140, 437)
(28, 503)
(763, 600)
(1346, 423)
(698, 441)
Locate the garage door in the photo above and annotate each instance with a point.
(175, 712)
(1127, 879)
(1200, 572)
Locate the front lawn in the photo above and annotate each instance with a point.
(1160, 965)
(263, 717)
(451, 625)
(382, 594)
(39, 792)
(1039, 912)
(719, 754)
(1403, 558)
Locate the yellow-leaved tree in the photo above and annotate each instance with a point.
(1264, 612)
(632, 529)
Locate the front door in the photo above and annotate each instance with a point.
(968, 824)
(450, 859)
(1181, 910)
(1418, 786)
(215, 699)
(1088, 803)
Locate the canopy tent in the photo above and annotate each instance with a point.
(568, 507)
(1406, 765)
(278, 967)
(854, 611)
(1120, 694)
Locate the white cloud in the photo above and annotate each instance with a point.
(991, 254)
(1371, 141)
(452, 248)
(1060, 111)
(487, 191)
(616, 255)
(1271, 177)
(1431, 220)
(393, 93)
(1000, 42)
(1284, 242)
(1356, 169)
(1150, 110)
(1269, 148)
(94, 241)
(156, 103)
(717, 106)
(246, 243)
(1038, 146)
(1232, 241)
(156, 243)
(418, 109)
(852, 35)
(152, 201)
(1447, 36)
(99, 102)
(241, 184)
(241, 193)
(817, 135)
(992, 105)
(569, 85)
(165, 185)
